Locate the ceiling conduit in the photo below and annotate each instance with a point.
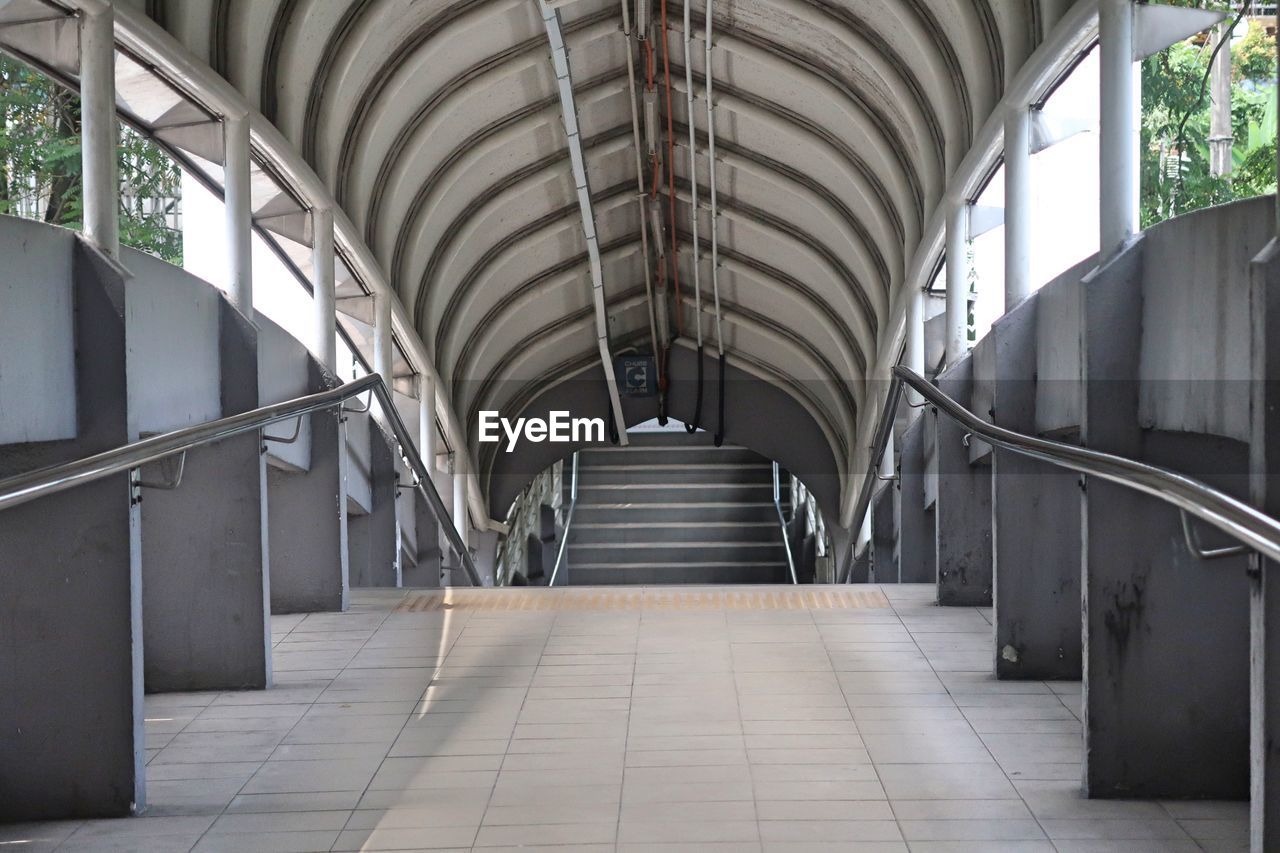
(693, 212)
(560, 64)
(715, 212)
(627, 33)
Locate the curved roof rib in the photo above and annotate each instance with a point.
(841, 126)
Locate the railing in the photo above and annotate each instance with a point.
(524, 518)
(568, 521)
(782, 522)
(58, 478)
(1237, 519)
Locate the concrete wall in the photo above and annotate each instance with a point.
(310, 571)
(1195, 360)
(284, 373)
(193, 358)
(175, 372)
(917, 551)
(1264, 589)
(1035, 511)
(371, 537)
(963, 508)
(1166, 636)
(70, 616)
(883, 540)
(37, 384)
(359, 431)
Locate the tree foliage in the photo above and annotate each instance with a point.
(1175, 125)
(40, 165)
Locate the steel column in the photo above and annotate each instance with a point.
(427, 439)
(913, 352)
(957, 328)
(325, 345)
(1017, 207)
(383, 344)
(99, 129)
(1119, 104)
(238, 202)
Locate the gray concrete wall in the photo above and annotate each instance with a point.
(883, 539)
(917, 551)
(963, 508)
(1058, 364)
(1264, 588)
(206, 610)
(37, 332)
(371, 537)
(425, 571)
(1195, 358)
(70, 617)
(284, 373)
(308, 510)
(1035, 513)
(360, 431)
(1166, 636)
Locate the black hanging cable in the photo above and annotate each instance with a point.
(663, 360)
(720, 427)
(697, 406)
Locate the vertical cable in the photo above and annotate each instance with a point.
(715, 216)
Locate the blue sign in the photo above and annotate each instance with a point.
(637, 375)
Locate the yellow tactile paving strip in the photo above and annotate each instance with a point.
(644, 598)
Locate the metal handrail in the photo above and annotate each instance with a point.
(53, 479)
(782, 522)
(568, 521)
(1259, 531)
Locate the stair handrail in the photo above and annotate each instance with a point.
(568, 521)
(782, 521)
(52, 479)
(1238, 519)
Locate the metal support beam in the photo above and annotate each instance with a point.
(100, 130)
(427, 440)
(325, 343)
(913, 353)
(1157, 26)
(564, 83)
(1047, 132)
(1221, 134)
(887, 468)
(460, 520)
(1118, 112)
(956, 333)
(383, 345)
(1017, 207)
(237, 199)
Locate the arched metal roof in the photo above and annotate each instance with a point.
(437, 127)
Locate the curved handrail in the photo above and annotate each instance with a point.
(568, 520)
(782, 521)
(1232, 516)
(53, 479)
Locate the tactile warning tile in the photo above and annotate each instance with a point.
(645, 598)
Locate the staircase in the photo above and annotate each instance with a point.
(672, 508)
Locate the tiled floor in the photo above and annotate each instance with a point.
(632, 729)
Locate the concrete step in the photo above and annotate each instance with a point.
(609, 553)
(586, 574)
(675, 531)
(604, 511)
(651, 454)
(711, 474)
(676, 493)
